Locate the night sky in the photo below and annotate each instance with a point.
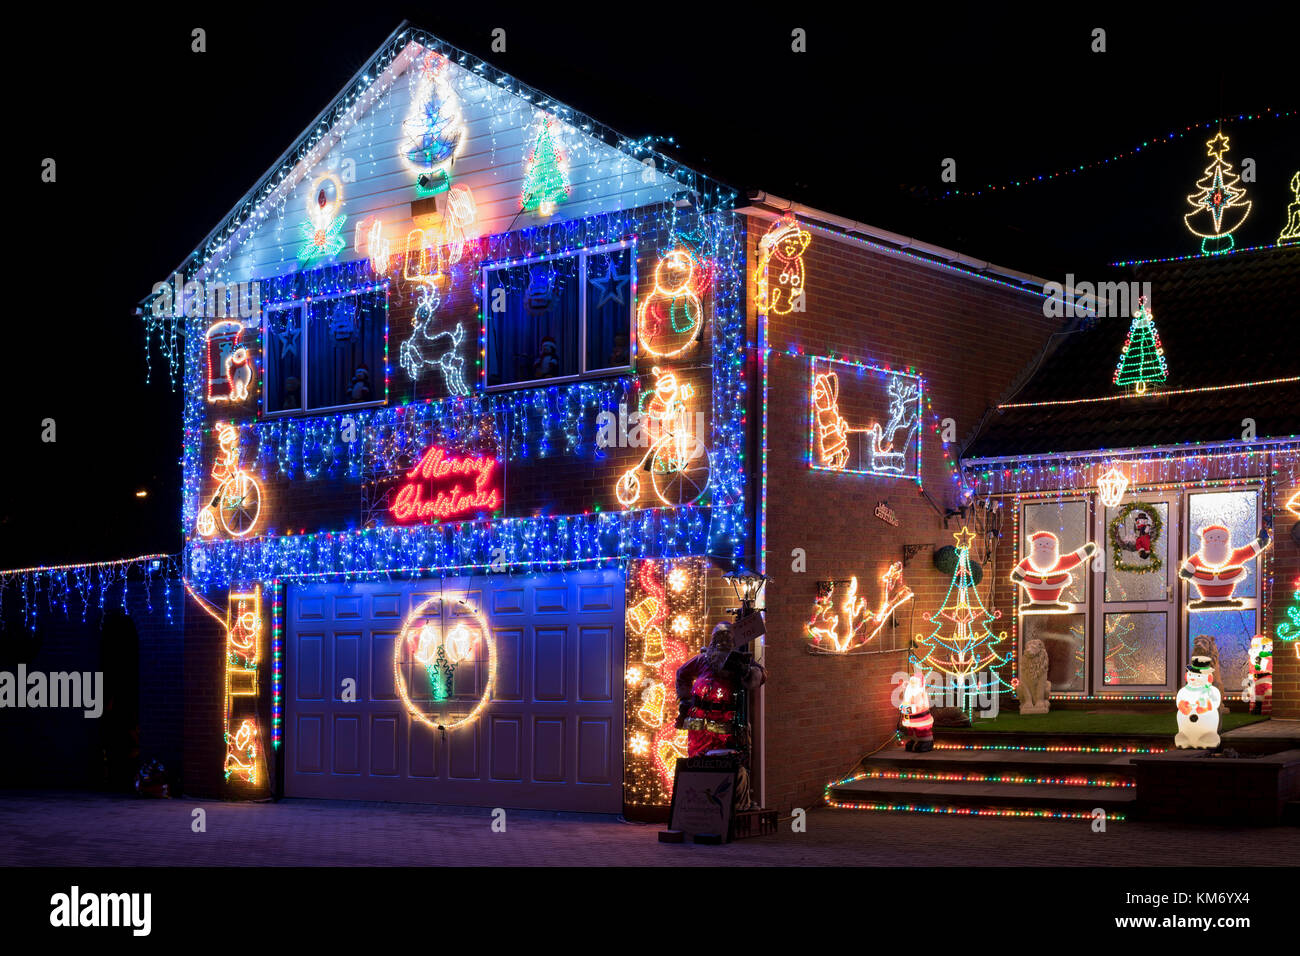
(154, 145)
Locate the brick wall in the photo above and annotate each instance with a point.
(61, 747)
(969, 338)
(1286, 581)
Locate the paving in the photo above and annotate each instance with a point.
(84, 829)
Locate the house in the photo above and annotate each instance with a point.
(482, 400)
(1142, 457)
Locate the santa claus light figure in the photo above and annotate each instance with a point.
(1044, 573)
(1217, 568)
(1258, 684)
(917, 719)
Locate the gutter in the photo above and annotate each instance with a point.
(765, 204)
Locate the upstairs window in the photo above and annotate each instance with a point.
(561, 317)
(325, 354)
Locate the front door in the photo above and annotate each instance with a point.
(1135, 646)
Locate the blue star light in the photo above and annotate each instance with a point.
(611, 285)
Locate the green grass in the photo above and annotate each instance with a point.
(1094, 722)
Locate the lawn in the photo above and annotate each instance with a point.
(1096, 722)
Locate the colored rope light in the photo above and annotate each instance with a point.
(1268, 247)
(671, 317)
(1145, 145)
(277, 663)
(972, 812)
(1163, 393)
(1008, 778)
(1056, 748)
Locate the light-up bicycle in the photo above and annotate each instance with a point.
(237, 502)
(678, 460)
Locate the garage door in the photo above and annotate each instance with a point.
(548, 738)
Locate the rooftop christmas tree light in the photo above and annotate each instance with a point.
(434, 128)
(1142, 360)
(1219, 203)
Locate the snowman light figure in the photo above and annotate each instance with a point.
(1044, 573)
(1198, 708)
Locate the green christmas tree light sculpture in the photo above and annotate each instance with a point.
(1142, 360)
(546, 179)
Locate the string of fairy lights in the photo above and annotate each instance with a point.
(1146, 146)
(88, 588)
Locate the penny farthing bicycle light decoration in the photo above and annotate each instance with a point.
(237, 503)
(678, 461)
(432, 646)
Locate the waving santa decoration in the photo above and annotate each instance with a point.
(1044, 572)
(1217, 568)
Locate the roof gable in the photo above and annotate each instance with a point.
(359, 138)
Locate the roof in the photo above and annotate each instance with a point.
(1227, 324)
(359, 94)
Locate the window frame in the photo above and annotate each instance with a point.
(302, 305)
(583, 373)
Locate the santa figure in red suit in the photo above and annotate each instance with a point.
(1217, 569)
(708, 686)
(1044, 572)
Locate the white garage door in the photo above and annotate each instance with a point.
(549, 737)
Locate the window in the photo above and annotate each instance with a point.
(1128, 623)
(560, 317)
(325, 353)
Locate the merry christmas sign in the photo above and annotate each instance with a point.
(864, 419)
(448, 485)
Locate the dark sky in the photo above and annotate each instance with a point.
(154, 144)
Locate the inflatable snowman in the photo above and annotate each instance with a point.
(1198, 708)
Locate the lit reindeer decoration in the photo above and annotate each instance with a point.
(427, 348)
(904, 416)
(861, 624)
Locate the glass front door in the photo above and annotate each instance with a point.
(1135, 640)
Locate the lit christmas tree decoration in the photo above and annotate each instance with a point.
(1219, 203)
(1142, 360)
(546, 175)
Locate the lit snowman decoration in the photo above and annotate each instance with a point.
(1198, 708)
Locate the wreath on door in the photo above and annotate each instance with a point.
(1147, 529)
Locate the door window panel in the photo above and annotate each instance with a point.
(1064, 637)
(1135, 648)
(1137, 552)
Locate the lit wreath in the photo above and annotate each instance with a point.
(456, 720)
(1157, 528)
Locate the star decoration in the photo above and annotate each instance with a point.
(611, 285)
(964, 537)
(1218, 146)
(1218, 198)
(289, 336)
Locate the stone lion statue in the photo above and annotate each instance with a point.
(1206, 646)
(1034, 685)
